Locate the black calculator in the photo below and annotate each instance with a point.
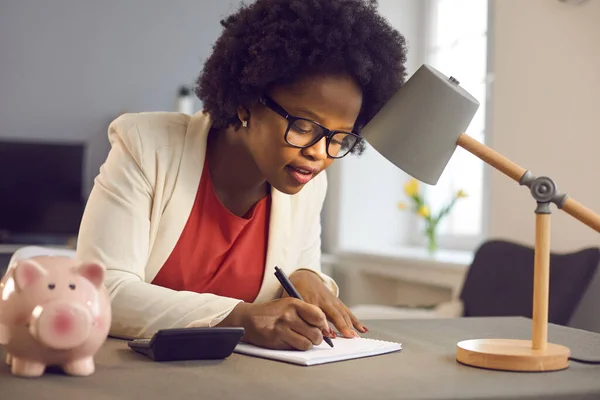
(183, 344)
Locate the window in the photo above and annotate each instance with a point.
(456, 44)
(361, 211)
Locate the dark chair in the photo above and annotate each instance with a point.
(499, 281)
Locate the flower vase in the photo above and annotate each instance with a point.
(432, 244)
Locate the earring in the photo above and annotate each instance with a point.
(245, 124)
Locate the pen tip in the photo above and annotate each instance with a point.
(328, 340)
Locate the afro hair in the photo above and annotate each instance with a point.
(274, 42)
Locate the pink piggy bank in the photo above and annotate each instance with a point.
(54, 310)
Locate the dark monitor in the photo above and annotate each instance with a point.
(41, 193)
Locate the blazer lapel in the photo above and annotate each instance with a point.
(177, 211)
(278, 241)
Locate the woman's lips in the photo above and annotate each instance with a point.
(301, 175)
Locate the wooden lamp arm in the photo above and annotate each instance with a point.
(582, 213)
(491, 157)
(514, 171)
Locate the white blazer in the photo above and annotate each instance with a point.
(139, 205)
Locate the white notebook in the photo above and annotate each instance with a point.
(344, 349)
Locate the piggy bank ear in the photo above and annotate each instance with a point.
(28, 272)
(93, 272)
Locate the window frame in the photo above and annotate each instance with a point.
(453, 241)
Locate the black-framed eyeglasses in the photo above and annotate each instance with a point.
(303, 132)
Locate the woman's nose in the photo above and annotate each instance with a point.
(317, 151)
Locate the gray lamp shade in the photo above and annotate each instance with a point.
(417, 129)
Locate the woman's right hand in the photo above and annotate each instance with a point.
(286, 323)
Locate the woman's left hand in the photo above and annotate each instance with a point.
(313, 291)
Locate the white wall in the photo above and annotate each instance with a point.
(546, 112)
(368, 182)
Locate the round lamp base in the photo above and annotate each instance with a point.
(512, 355)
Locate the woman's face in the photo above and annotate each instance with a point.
(332, 101)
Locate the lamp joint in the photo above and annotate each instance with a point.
(544, 191)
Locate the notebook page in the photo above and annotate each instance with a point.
(344, 349)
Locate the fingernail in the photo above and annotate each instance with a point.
(364, 328)
(332, 333)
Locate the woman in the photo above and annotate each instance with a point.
(191, 215)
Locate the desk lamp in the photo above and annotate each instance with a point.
(418, 130)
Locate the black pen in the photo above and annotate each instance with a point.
(291, 290)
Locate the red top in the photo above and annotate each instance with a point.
(219, 252)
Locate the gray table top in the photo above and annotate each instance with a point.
(425, 369)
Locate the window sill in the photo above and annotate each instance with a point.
(443, 258)
(444, 269)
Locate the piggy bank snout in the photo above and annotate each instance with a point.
(61, 325)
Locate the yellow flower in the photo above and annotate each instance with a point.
(423, 211)
(461, 194)
(402, 205)
(411, 187)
